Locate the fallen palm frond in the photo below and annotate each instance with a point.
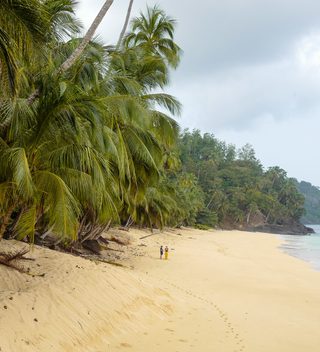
(10, 259)
(98, 260)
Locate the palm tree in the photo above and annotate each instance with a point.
(125, 25)
(93, 147)
(153, 33)
(31, 22)
(86, 39)
(36, 26)
(80, 48)
(52, 172)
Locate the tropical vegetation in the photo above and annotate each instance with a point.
(311, 194)
(88, 137)
(237, 190)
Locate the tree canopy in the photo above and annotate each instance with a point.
(237, 190)
(311, 194)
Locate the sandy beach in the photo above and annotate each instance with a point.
(219, 291)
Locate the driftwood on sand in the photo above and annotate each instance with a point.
(11, 259)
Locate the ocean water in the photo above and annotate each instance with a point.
(306, 248)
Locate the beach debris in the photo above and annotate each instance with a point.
(10, 259)
(121, 239)
(92, 245)
(152, 234)
(103, 240)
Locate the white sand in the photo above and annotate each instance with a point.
(219, 291)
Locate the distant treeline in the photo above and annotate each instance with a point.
(229, 187)
(312, 202)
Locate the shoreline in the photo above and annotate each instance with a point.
(305, 248)
(219, 290)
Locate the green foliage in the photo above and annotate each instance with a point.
(237, 191)
(206, 217)
(312, 202)
(202, 227)
(189, 198)
(93, 147)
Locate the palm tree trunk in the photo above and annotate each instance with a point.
(86, 39)
(211, 200)
(124, 28)
(248, 216)
(75, 55)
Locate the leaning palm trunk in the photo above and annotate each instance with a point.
(124, 28)
(77, 53)
(86, 39)
(129, 222)
(90, 230)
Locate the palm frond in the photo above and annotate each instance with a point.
(166, 101)
(14, 164)
(25, 227)
(62, 209)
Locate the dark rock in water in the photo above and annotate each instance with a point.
(310, 229)
(285, 229)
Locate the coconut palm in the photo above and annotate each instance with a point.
(125, 25)
(153, 33)
(87, 38)
(93, 147)
(23, 27)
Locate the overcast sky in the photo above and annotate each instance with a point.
(250, 73)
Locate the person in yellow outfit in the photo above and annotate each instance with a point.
(166, 252)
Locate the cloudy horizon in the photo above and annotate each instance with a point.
(250, 73)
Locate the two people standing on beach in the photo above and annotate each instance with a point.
(166, 252)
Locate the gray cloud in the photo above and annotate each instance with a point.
(290, 144)
(235, 100)
(223, 33)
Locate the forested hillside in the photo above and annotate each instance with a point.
(237, 191)
(312, 202)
